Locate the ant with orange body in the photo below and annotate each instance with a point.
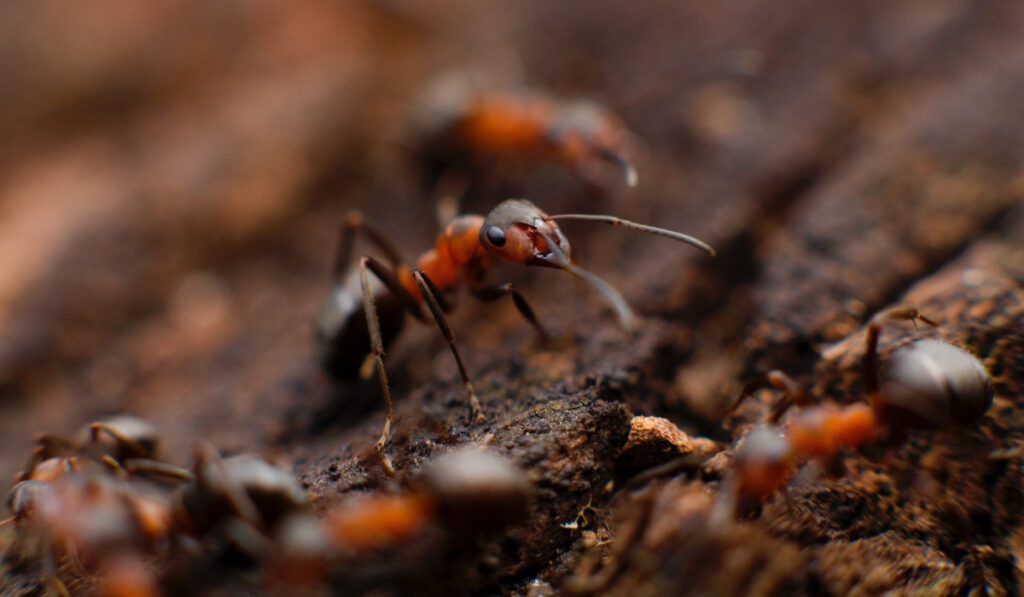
(929, 384)
(516, 231)
(466, 494)
(464, 136)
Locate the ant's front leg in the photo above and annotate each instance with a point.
(430, 295)
(370, 265)
(356, 223)
(495, 292)
(436, 304)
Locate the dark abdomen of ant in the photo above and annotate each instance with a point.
(342, 336)
(933, 384)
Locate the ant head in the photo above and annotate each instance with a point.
(516, 230)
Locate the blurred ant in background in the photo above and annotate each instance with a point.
(122, 443)
(236, 503)
(516, 231)
(86, 498)
(464, 139)
(464, 495)
(928, 384)
(101, 524)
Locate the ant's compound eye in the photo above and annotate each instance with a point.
(496, 236)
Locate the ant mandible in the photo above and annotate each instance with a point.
(516, 231)
(929, 384)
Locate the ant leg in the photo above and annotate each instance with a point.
(115, 467)
(376, 343)
(792, 393)
(390, 280)
(690, 463)
(45, 451)
(210, 471)
(430, 293)
(355, 223)
(39, 454)
(369, 265)
(135, 447)
(878, 322)
(146, 466)
(492, 293)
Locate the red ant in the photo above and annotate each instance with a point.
(516, 231)
(929, 384)
(464, 133)
(464, 495)
(470, 492)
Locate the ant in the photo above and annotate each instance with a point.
(466, 494)
(122, 443)
(516, 231)
(109, 522)
(243, 496)
(469, 492)
(929, 384)
(464, 134)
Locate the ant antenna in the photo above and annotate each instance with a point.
(626, 316)
(627, 168)
(616, 221)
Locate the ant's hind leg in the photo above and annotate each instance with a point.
(376, 348)
(368, 265)
(430, 292)
(495, 292)
(355, 223)
(792, 393)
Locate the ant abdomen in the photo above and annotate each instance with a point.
(933, 384)
(342, 336)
